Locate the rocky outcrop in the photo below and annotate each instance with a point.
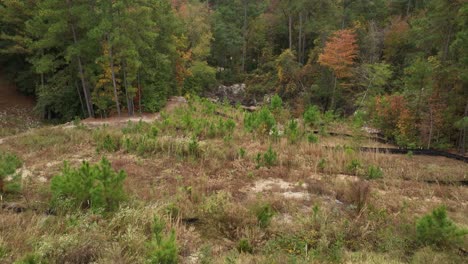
(234, 94)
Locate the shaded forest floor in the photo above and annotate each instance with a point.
(16, 110)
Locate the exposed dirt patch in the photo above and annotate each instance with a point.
(286, 189)
(172, 103)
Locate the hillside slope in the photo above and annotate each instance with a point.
(235, 187)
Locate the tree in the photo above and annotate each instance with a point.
(287, 67)
(339, 54)
(373, 78)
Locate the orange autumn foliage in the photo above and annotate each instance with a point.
(340, 52)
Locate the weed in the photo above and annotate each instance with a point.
(107, 142)
(194, 147)
(244, 246)
(410, 154)
(321, 164)
(30, 259)
(97, 187)
(134, 127)
(437, 229)
(206, 255)
(242, 153)
(312, 138)
(172, 210)
(154, 132)
(374, 172)
(353, 166)
(230, 125)
(264, 214)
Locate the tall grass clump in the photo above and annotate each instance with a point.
(97, 187)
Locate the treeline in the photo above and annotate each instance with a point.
(401, 64)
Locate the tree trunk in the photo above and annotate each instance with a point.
(343, 19)
(290, 31)
(462, 137)
(86, 92)
(408, 8)
(139, 92)
(129, 102)
(447, 44)
(299, 40)
(332, 103)
(114, 84)
(431, 127)
(304, 41)
(244, 48)
(81, 99)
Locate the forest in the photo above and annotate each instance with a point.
(400, 65)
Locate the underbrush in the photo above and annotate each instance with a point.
(8, 165)
(194, 187)
(96, 187)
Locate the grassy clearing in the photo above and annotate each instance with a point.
(210, 183)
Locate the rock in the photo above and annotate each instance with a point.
(178, 99)
(234, 94)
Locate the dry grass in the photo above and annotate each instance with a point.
(208, 197)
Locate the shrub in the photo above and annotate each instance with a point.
(163, 247)
(276, 102)
(312, 138)
(410, 154)
(312, 116)
(194, 147)
(354, 166)
(108, 143)
(242, 153)
(268, 159)
(293, 131)
(264, 215)
(374, 172)
(437, 229)
(321, 164)
(261, 122)
(8, 165)
(244, 246)
(97, 187)
(230, 125)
